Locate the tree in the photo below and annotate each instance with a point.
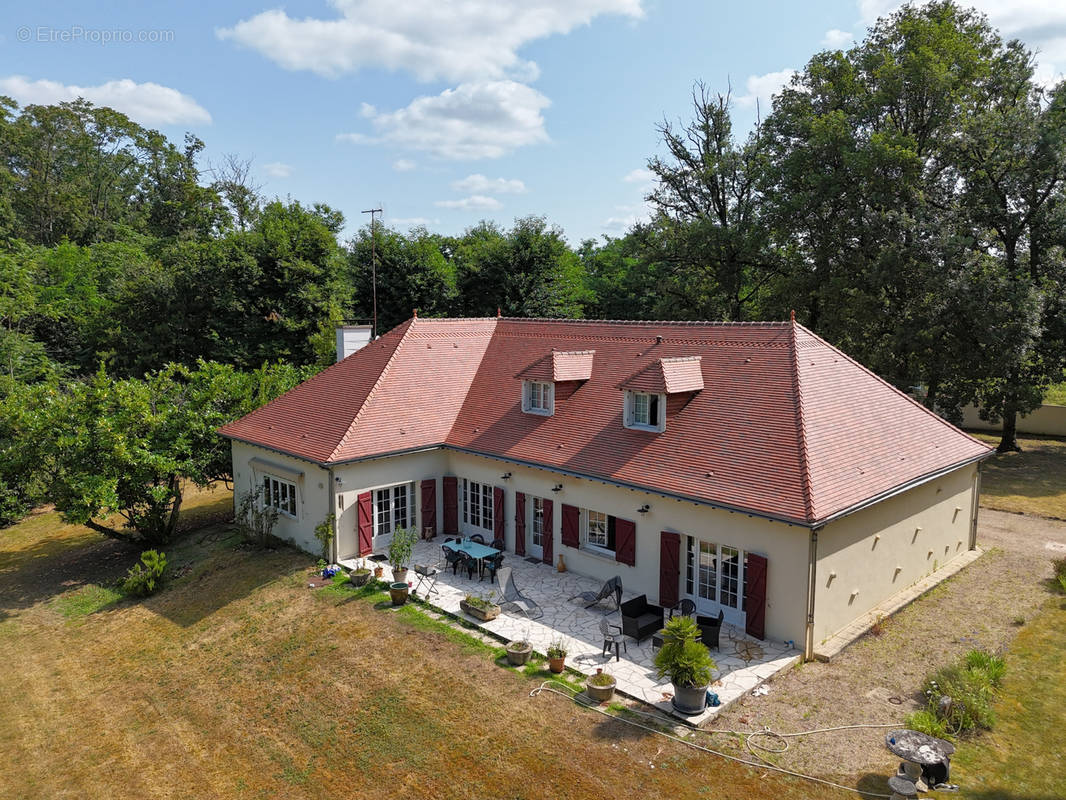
(707, 228)
(123, 446)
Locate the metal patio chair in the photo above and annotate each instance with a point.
(510, 596)
(686, 608)
(611, 590)
(477, 537)
(452, 558)
(427, 575)
(490, 566)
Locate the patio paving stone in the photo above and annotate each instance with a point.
(579, 629)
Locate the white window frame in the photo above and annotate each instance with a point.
(630, 411)
(595, 532)
(280, 494)
(538, 397)
(478, 505)
(396, 495)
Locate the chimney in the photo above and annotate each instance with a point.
(351, 338)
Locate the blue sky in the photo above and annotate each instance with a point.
(443, 112)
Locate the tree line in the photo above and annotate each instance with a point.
(904, 197)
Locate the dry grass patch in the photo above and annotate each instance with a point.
(236, 681)
(1030, 482)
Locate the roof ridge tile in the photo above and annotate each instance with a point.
(801, 427)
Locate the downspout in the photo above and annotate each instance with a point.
(332, 511)
(812, 578)
(975, 504)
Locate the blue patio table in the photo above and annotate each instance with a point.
(475, 550)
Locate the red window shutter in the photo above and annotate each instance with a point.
(519, 524)
(755, 595)
(669, 568)
(497, 512)
(451, 504)
(365, 524)
(625, 541)
(571, 533)
(549, 533)
(429, 505)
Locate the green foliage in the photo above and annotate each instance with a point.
(556, 649)
(255, 519)
(926, 721)
(601, 679)
(324, 532)
(971, 686)
(146, 578)
(682, 658)
(402, 546)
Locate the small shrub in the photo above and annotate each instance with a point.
(1062, 583)
(601, 679)
(255, 519)
(556, 649)
(991, 665)
(146, 578)
(878, 628)
(926, 721)
(1019, 620)
(1060, 567)
(682, 658)
(324, 532)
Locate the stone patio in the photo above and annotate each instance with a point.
(743, 662)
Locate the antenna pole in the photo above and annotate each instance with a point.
(373, 268)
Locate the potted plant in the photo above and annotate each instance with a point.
(518, 652)
(556, 655)
(400, 549)
(600, 687)
(378, 571)
(480, 607)
(360, 575)
(398, 592)
(687, 663)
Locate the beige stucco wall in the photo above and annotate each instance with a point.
(878, 552)
(366, 475)
(312, 492)
(785, 546)
(1047, 420)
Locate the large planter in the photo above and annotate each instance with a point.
(359, 577)
(398, 593)
(517, 656)
(483, 614)
(688, 700)
(399, 574)
(601, 694)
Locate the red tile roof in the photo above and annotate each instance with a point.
(560, 367)
(668, 376)
(787, 426)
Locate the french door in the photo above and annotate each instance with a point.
(714, 579)
(536, 527)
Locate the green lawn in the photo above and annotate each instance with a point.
(1031, 482)
(1023, 757)
(1056, 395)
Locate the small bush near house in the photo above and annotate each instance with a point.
(959, 697)
(1060, 573)
(146, 577)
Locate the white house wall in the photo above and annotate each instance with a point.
(312, 491)
(364, 476)
(874, 554)
(785, 546)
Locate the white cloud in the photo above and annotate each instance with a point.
(474, 120)
(627, 217)
(413, 222)
(147, 103)
(479, 184)
(836, 39)
(458, 40)
(477, 202)
(403, 165)
(1041, 24)
(640, 175)
(276, 169)
(762, 88)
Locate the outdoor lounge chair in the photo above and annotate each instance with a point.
(611, 590)
(612, 635)
(640, 619)
(710, 628)
(511, 597)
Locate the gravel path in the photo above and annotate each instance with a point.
(878, 679)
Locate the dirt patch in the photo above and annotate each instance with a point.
(878, 679)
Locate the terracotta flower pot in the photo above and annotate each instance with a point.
(556, 665)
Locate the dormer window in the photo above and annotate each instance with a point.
(644, 411)
(538, 397)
